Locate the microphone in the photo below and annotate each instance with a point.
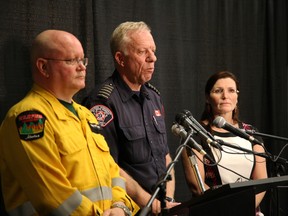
(190, 116)
(220, 122)
(184, 120)
(179, 130)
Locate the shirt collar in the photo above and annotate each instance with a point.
(124, 90)
(60, 110)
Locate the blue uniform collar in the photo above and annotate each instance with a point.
(124, 90)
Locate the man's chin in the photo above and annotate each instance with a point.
(148, 78)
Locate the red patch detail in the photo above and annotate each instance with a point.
(103, 114)
(157, 112)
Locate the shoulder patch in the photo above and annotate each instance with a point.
(106, 91)
(149, 85)
(103, 114)
(30, 125)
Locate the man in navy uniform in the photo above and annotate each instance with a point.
(131, 113)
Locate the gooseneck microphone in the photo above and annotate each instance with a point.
(220, 122)
(185, 121)
(194, 121)
(179, 130)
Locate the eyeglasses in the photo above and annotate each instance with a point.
(221, 90)
(84, 61)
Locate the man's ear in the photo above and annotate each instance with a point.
(41, 64)
(119, 57)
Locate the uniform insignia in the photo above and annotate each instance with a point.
(153, 88)
(103, 114)
(96, 128)
(157, 112)
(30, 125)
(105, 91)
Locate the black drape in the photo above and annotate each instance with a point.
(194, 39)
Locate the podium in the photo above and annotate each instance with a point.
(237, 199)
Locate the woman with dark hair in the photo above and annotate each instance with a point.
(221, 92)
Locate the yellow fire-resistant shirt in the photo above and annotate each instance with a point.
(53, 163)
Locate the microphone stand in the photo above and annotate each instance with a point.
(253, 132)
(161, 185)
(196, 172)
(276, 159)
(221, 142)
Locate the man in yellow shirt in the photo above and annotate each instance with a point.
(52, 158)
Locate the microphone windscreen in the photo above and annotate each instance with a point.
(187, 112)
(179, 118)
(219, 122)
(174, 129)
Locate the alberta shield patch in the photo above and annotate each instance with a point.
(30, 125)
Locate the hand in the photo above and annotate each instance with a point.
(156, 207)
(114, 212)
(172, 204)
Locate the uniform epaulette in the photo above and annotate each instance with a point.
(106, 91)
(153, 88)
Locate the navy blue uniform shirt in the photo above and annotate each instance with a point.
(134, 128)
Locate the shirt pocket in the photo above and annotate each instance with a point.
(100, 142)
(70, 142)
(159, 124)
(134, 132)
(135, 149)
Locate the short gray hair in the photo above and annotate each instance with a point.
(120, 36)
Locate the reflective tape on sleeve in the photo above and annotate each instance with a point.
(119, 182)
(99, 193)
(69, 205)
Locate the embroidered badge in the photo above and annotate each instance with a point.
(30, 125)
(103, 114)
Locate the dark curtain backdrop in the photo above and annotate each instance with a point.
(194, 39)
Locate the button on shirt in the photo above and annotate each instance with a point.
(134, 127)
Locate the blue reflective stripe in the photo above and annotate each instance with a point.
(119, 182)
(99, 193)
(69, 205)
(25, 209)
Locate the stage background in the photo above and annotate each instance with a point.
(194, 39)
